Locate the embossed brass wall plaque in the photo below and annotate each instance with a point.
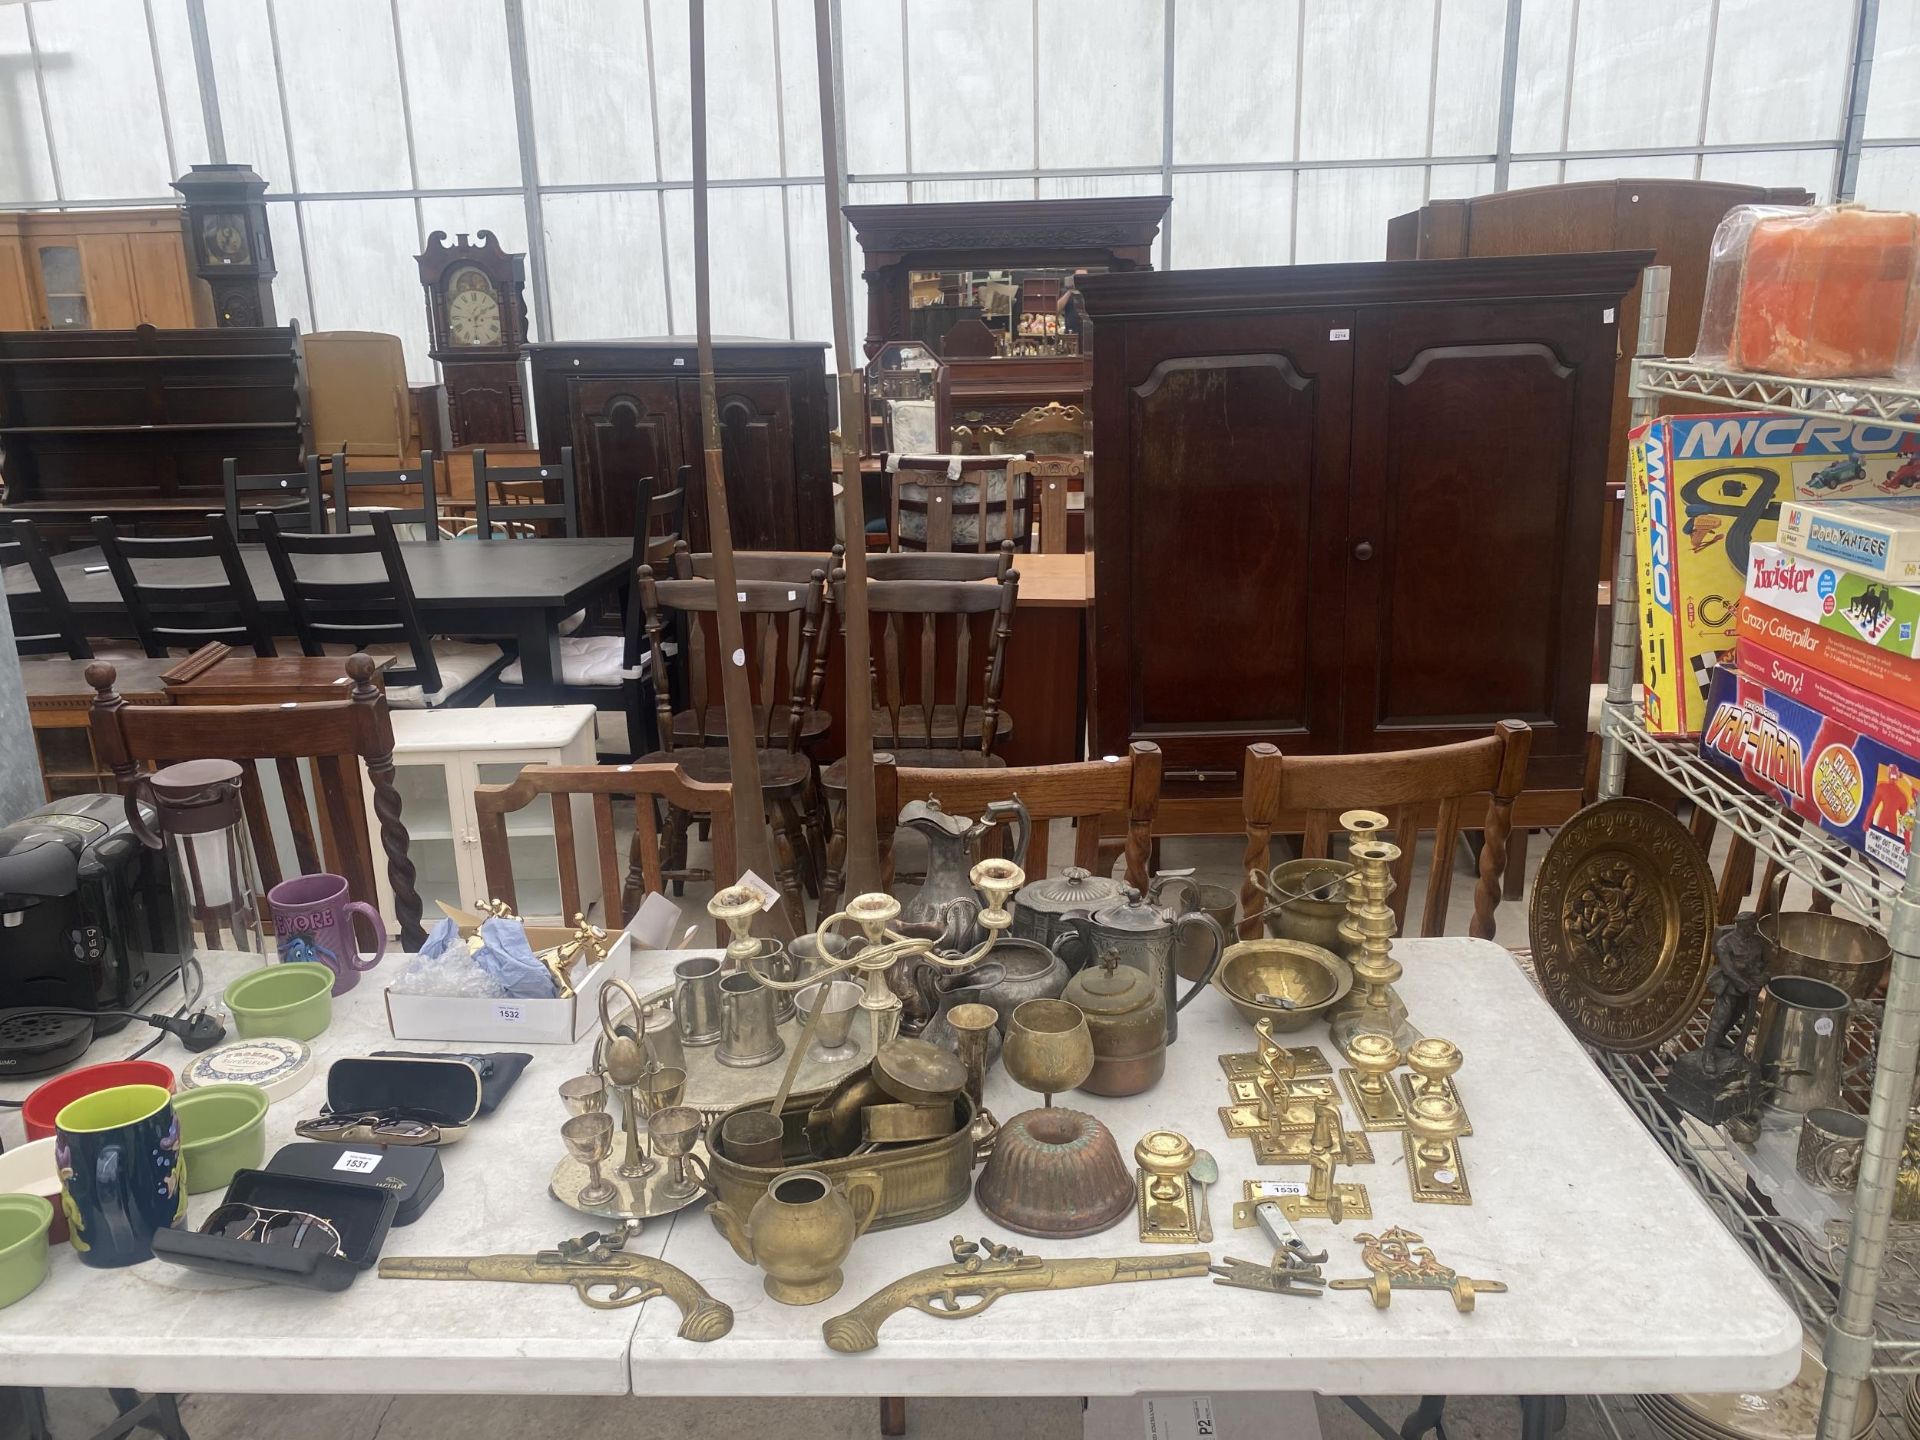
(1621, 923)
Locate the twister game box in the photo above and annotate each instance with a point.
(1854, 785)
(1857, 606)
(1706, 489)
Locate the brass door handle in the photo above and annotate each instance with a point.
(1363, 551)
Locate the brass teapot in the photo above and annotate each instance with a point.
(801, 1231)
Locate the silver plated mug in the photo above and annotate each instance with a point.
(1802, 1046)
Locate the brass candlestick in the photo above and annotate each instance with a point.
(1373, 1007)
(1434, 1062)
(1434, 1170)
(1373, 1058)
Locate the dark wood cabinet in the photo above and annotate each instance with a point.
(1345, 508)
(631, 409)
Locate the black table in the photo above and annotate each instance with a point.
(517, 590)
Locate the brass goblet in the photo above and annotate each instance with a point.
(673, 1131)
(589, 1139)
(1049, 1047)
(584, 1094)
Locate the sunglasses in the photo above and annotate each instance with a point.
(284, 1229)
(376, 1127)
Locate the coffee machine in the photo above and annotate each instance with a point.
(90, 919)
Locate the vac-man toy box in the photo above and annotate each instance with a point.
(1705, 489)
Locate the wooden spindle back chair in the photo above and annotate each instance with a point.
(1444, 782)
(1083, 791)
(934, 564)
(643, 784)
(331, 739)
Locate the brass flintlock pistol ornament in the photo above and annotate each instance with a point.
(886, 947)
(980, 1274)
(586, 1262)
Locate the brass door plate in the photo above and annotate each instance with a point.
(1248, 1092)
(1167, 1222)
(1380, 1109)
(1245, 1064)
(1441, 1183)
(1295, 1147)
(1410, 1086)
(1244, 1120)
(1349, 1202)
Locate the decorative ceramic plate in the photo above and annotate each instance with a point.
(1622, 924)
(277, 1066)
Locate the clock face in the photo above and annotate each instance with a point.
(223, 234)
(473, 310)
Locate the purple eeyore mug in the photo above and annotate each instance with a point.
(311, 913)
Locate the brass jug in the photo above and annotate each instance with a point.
(801, 1231)
(1127, 1017)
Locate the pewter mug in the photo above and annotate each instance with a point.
(748, 1036)
(696, 1000)
(777, 962)
(1144, 936)
(1802, 1045)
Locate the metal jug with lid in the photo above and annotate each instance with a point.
(950, 847)
(1040, 908)
(1143, 935)
(1127, 1017)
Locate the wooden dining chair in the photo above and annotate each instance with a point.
(644, 785)
(375, 610)
(298, 498)
(333, 738)
(933, 564)
(1415, 789)
(784, 626)
(425, 512)
(1126, 785)
(955, 502)
(1048, 482)
(1050, 429)
(43, 618)
(171, 615)
(520, 516)
(926, 677)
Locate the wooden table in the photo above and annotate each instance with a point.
(518, 591)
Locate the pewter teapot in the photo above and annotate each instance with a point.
(1142, 934)
(1041, 907)
(950, 847)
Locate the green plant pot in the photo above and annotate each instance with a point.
(23, 1245)
(293, 1001)
(223, 1128)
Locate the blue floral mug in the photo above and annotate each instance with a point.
(121, 1175)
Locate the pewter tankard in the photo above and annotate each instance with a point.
(1143, 935)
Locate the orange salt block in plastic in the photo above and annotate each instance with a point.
(1824, 295)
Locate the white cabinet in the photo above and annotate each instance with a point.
(439, 757)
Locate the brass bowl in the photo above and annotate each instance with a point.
(1311, 980)
(1841, 952)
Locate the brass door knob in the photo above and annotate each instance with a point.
(1373, 1056)
(1433, 1060)
(1434, 1121)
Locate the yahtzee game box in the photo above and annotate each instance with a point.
(1706, 488)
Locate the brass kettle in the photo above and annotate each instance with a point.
(1127, 1017)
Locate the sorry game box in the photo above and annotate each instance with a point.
(1854, 784)
(1706, 489)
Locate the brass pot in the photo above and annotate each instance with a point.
(801, 1230)
(1312, 900)
(918, 1182)
(1127, 1019)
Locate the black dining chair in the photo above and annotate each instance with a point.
(184, 614)
(298, 498)
(520, 517)
(340, 604)
(43, 618)
(426, 514)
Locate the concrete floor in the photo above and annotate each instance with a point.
(76, 1414)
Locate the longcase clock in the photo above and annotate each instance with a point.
(224, 222)
(477, 320)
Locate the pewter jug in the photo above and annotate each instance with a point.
(1144, 934)
(1040, 908)
(950, 847)
(943, 991)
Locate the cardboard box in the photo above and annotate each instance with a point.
(1872, 611)
(1706, 488)
(1853, 661)
(476, 1020)
(1876, 538)
(1853, 785)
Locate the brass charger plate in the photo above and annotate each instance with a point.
(1622, 924)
